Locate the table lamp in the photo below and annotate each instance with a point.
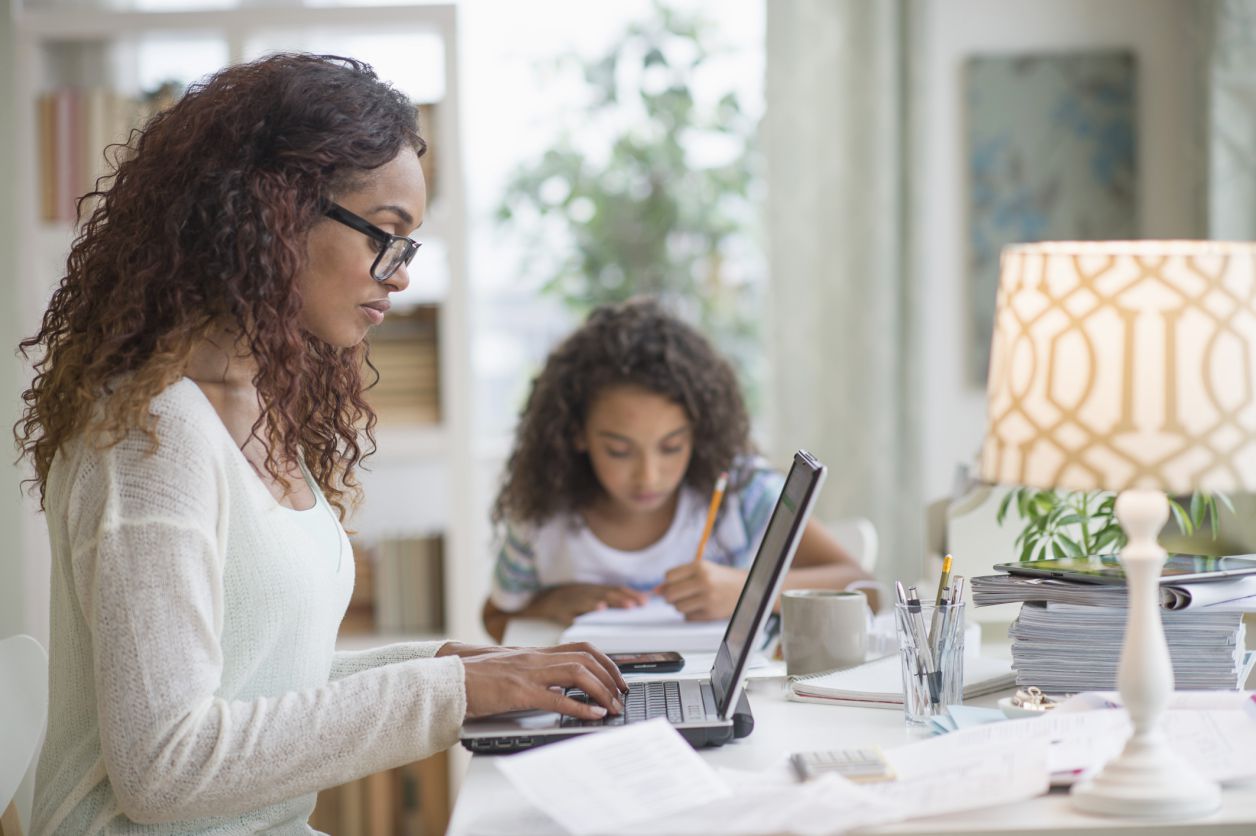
(1128, 366)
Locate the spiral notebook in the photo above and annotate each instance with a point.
(879, 684)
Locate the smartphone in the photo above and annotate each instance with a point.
(665, 661)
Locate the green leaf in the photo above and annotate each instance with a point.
(1071, 549)
(1002, 512)
(1180, 517)
(1197, 508)
(1106, 538)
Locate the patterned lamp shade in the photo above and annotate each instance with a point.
(1124, 364)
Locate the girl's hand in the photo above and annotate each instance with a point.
(702, 590)
(564, 603)
(508, 679)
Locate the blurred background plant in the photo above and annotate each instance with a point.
(651, 186)
(1083, 523)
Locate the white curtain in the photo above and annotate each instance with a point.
(844, 348)
(1232, 121)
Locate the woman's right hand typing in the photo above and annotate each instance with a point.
(534, 678)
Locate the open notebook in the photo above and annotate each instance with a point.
(656, 626)
(879, 684)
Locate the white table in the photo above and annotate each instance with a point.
(783, 726)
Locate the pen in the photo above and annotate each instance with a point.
(716, 497)
(917, 621)
(898, 589)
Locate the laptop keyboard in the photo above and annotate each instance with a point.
(645, 701)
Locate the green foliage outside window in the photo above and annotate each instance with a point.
(649, 188)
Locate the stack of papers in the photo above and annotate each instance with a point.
(879, 684)
(1066, 648)
(655, 626)
(645, 779)
(1238, 594)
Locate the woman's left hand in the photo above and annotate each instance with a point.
(702, 590)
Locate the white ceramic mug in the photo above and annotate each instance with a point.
(823, 629)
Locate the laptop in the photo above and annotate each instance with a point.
(702, 710)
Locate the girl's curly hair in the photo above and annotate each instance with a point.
(205, 218)
(637, 343)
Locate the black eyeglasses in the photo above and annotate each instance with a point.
(394, 250)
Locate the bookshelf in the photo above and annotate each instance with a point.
(80, 77)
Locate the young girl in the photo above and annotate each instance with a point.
(606, 492)
(194, 424)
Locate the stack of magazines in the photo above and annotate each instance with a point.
(1066, 648)
(1068, 635)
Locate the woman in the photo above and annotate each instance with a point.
(194, 427)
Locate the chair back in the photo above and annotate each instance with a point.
(23, 713)
(859, 537)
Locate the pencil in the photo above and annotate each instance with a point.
(716, 498)
(944, 580)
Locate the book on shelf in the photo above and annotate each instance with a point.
(405, 353)
(409, 586)
(427, 115)
(75, 127)
(410, 800)
(879, 683)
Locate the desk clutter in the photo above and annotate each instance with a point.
(645, 779)
(879, 683)
(1067, 637)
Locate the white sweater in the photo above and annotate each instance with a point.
(194, 686)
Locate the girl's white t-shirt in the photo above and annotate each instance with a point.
(563, 549)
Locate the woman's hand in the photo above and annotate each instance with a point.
(702, 590)
(514, 679)
(564, 603)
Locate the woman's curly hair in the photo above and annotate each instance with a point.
(204, 219)
(637, 343)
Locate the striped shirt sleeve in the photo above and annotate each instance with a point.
(515, 580)
(755, 502)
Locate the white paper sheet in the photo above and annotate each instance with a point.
(763, 803)
(1217, 743)
(623, 776)
(657, 625)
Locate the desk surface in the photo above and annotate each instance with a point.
(783, 726)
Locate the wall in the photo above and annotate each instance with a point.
(1163, 35)
(12, 611)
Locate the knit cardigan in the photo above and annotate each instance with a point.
(194, 686)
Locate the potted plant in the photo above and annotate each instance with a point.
(1084, 523)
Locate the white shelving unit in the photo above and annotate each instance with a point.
(422, 473)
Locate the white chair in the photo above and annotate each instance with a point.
(23, 713)
(859, 537)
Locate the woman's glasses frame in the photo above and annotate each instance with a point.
(394, 250)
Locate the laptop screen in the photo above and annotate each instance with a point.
(776, 550)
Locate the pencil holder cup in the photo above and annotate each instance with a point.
(931, 653)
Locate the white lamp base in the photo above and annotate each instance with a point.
(1148, 779)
